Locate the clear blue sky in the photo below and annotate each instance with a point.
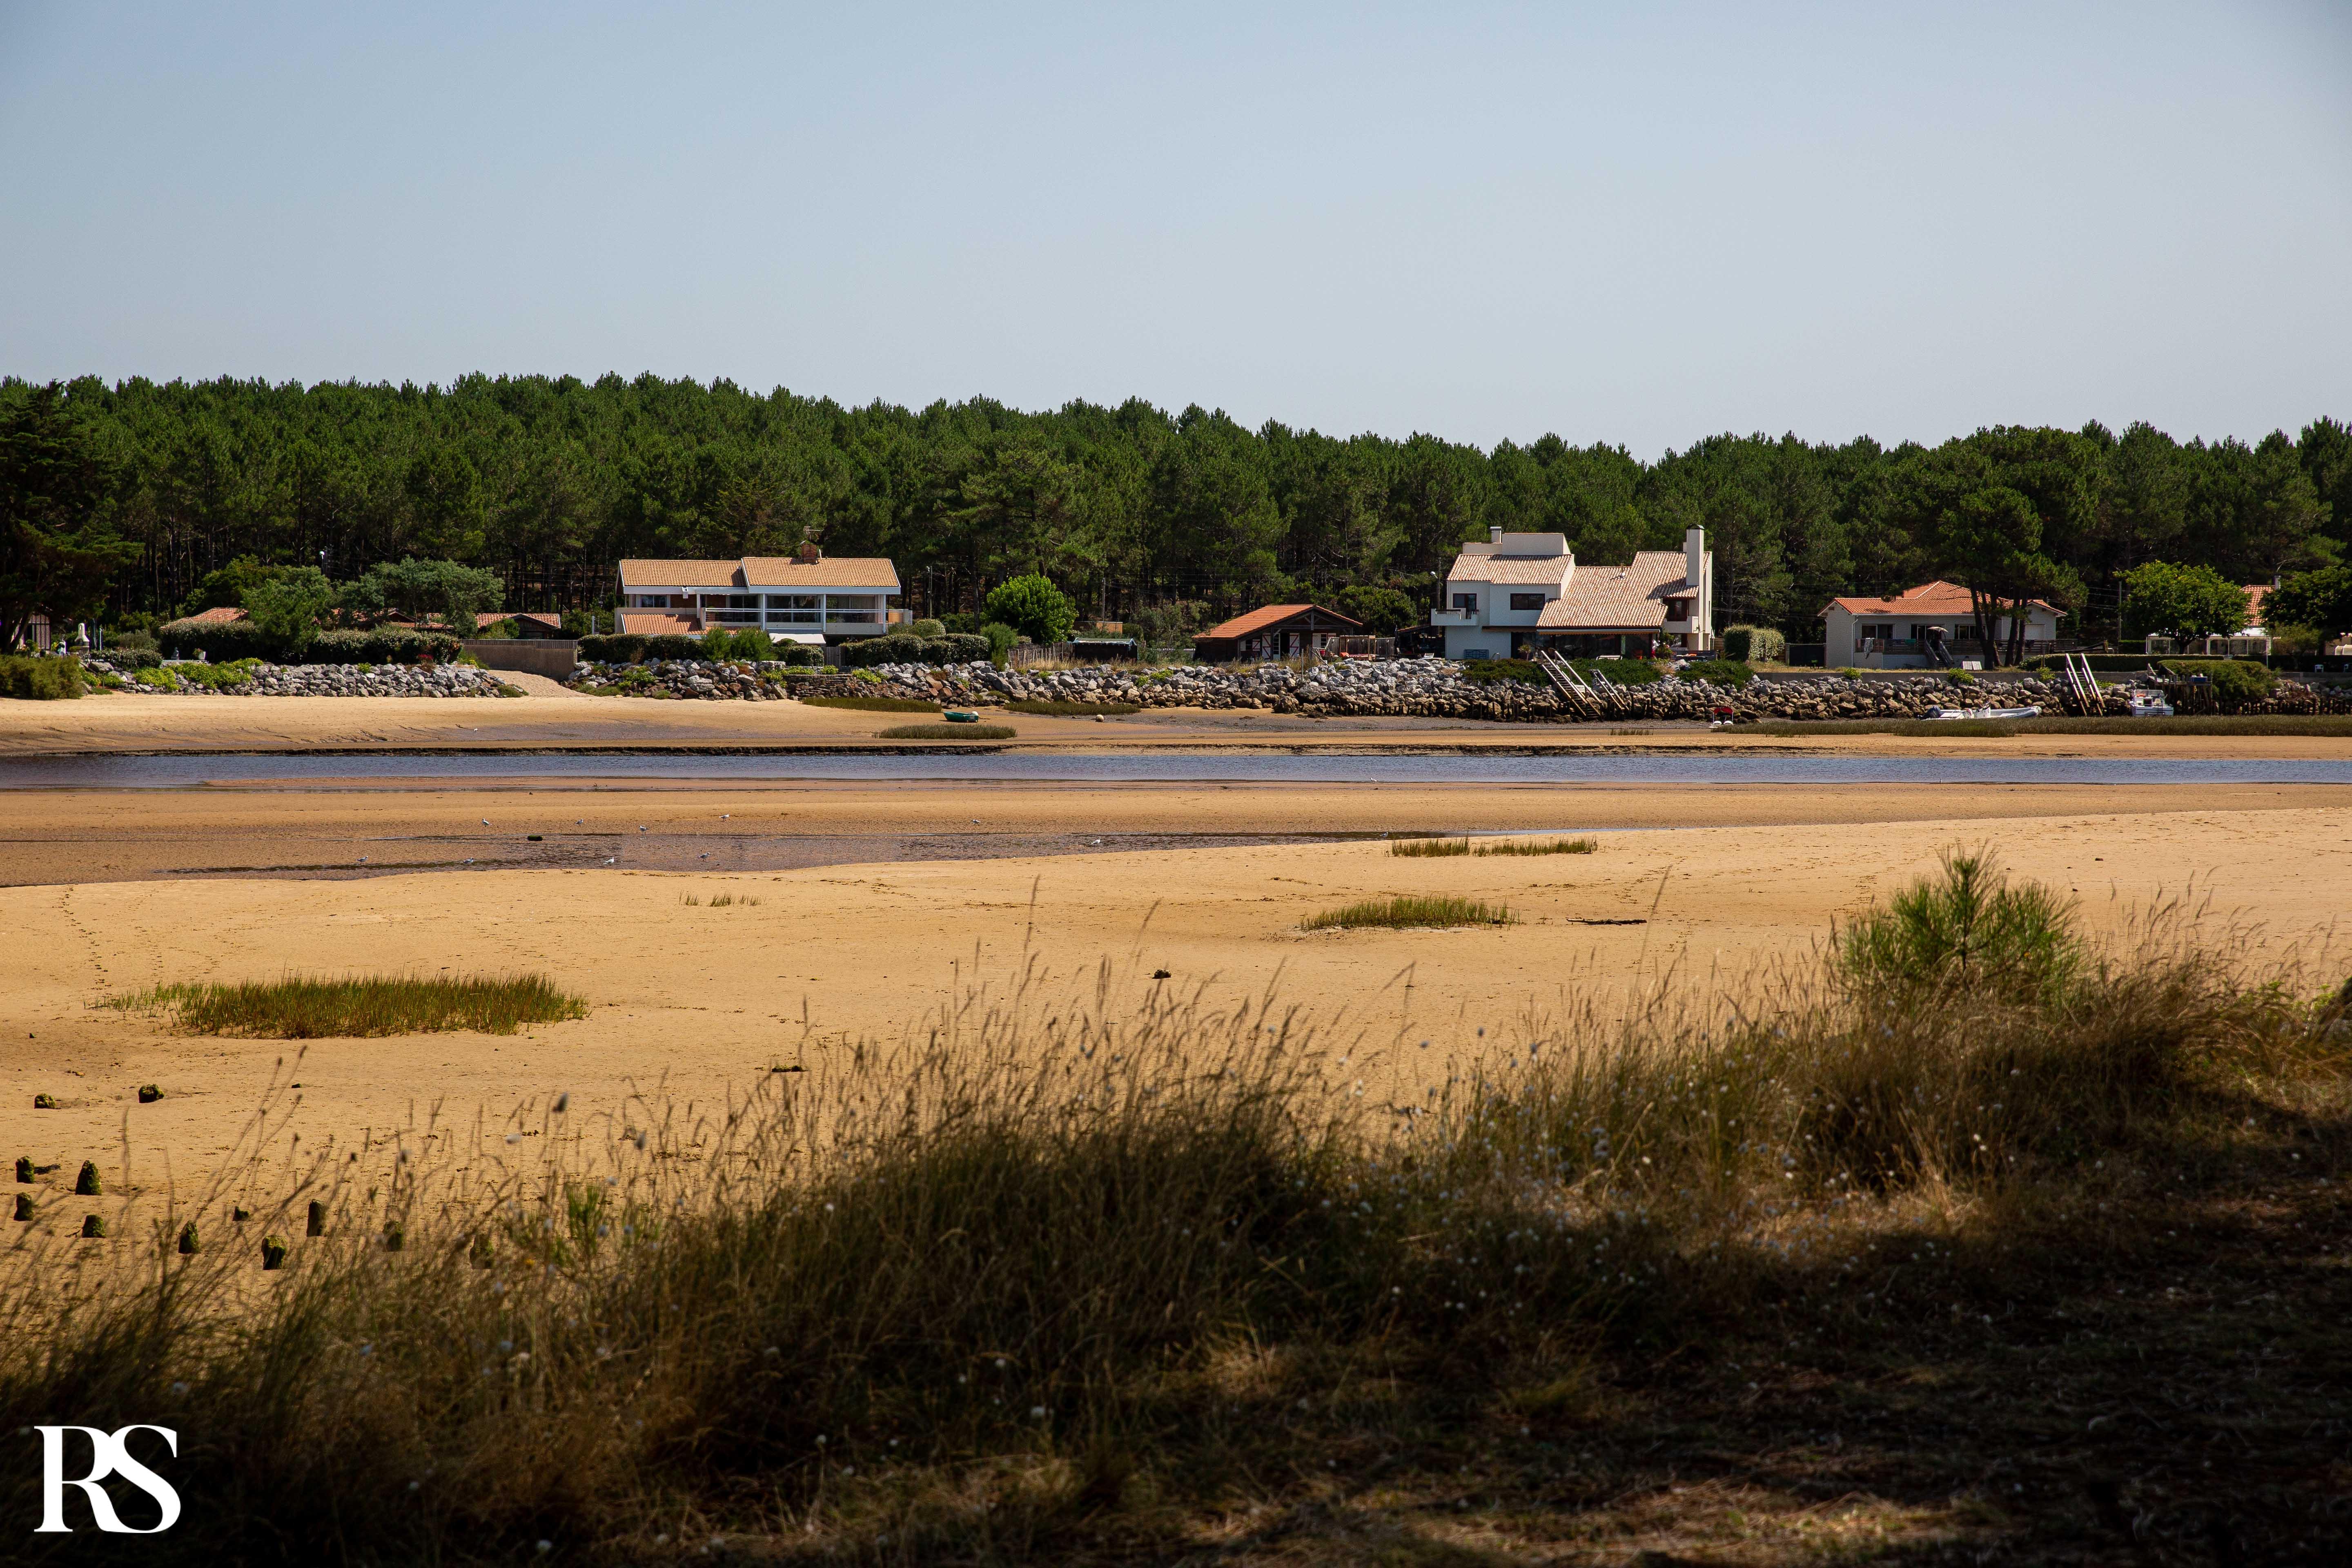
(1637, 224)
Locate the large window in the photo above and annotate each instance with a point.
(1466, 603)
(1526, 601)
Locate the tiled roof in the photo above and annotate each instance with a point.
(1545, 569)
(833, 571)
(217, 614)
(1618, 598)
(652, 623)
(1257, 620)
(1937, 598)
(682, 574)
(763, 571)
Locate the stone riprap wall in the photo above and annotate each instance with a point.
(1425, 687)
(335, 680)
(1436, 687)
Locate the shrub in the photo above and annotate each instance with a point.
(953, 647)
(306, 1009)
(927, 627)
(1970, 933)
(2234, 681)
(673, 645)
(1032, 606)
(40, 680)
(1623, 671)
(1744, 643)
(1495, 672)
(1000, 639)
(133, 658)
(1411, 910)
(800, 656)
(627, 647)
(1719, 672)
(218, 640)
(381, 644)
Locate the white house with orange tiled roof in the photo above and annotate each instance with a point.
(805, 597)
(1922, 627)
(1511, 592)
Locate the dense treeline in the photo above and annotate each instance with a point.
(548, 481)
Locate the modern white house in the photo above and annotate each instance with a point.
(1513, 591)
(1924, 626)
(804, 597)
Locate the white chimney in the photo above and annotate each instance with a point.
(1493, 533)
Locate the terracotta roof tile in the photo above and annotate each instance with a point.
(1632, 598)
(833, 571)
(1520, 569)
(1268, 615)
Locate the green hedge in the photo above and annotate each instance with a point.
(1720, 671)
(224, 641)
(955, 648)
(384, 645)
(637, 647)
(42, 680)
(131, 658)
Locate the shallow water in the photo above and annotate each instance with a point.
(174, 772)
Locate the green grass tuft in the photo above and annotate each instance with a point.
(1411, 910)
(308, 1009)
(948, 732)
(1428, 848)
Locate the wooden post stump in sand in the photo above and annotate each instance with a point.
(317, 1223)
(86, 1185)
(93, 1224)
(273, 1252)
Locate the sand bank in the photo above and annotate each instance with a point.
(708, 999)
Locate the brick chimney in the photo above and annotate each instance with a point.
(808, 554)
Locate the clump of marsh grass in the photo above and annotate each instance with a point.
(1540, 847)
(1421, 848)
(300, 1008)
(1428, 848)
(944, 732)
(721, 900)
(1409, 912)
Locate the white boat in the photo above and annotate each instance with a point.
(1984, 713)
(2147, 705)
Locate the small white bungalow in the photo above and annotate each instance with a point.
(1922, 627)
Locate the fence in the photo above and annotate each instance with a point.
(551, 657)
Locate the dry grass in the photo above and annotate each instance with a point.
(722, 900)
(298, 1008)
(1406, 911)
(1130, 1275)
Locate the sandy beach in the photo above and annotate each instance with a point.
(552, 717)
(708, 999)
